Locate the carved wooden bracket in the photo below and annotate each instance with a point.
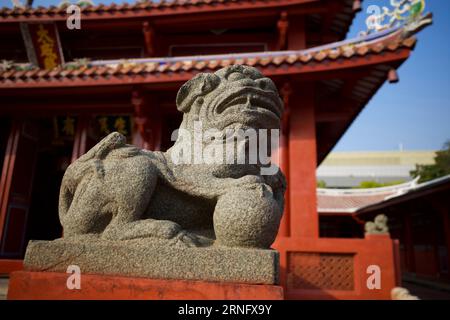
(285, 92)
(149, 38)
(283, 26)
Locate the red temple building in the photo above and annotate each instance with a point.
(62, 90)
(418, 216)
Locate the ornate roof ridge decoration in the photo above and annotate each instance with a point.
(77, 64)
(389, 40)
(406, 14)
(8, 65)
(80, 3)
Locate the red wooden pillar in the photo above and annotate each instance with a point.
(444, 211)
(149, 37)
(80, 139)
(286, 91)
(7, 171)
(283, 26)
(303, 163)
(16, 186)
(435, 244)
(148, 122)
(409, 244)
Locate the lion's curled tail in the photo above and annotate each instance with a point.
(88, 164)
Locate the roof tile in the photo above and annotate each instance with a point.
(79, 71)
(176, 66)
(334, 53)
(252, 61)
(278, 60)
(200, 65)
(31, 73)
(265, 61)
(362, 51)
(54, 72)
(319, 56)
(305, 58)
(378, 47)
(226, 62)
(90, 71)
(348, 51)
(212, 64)
(409, 42)
(150, 67)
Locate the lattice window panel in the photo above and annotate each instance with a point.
(332, 271)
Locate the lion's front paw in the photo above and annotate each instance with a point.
(186, 239)
(166, 229)
(147, 228)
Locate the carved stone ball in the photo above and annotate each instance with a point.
(245, 217)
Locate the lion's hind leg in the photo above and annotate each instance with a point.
(84, 215)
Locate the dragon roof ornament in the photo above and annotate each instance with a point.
(406, 14)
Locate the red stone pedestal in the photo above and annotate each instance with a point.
(27, 285)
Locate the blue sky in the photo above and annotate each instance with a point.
(415, 112)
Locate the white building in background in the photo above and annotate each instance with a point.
(349, 169)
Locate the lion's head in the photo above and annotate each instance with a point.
(228, 108)
(234, 97)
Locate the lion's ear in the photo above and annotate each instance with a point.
(183, 94)
(200, 85)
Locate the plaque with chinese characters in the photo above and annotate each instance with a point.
(42, 44)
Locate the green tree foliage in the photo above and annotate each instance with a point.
(441, 166)
(374, 184)
(369, 184)
(321, 184)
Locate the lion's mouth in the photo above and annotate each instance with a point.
(250, 101)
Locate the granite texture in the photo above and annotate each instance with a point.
(161, 262)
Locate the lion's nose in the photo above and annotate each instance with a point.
(242, 79)
(246, 82)
(234, 76)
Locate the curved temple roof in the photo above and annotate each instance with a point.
(361, 201)
(369, 59)
(351, 200)
(388, 41)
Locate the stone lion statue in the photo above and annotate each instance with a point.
(119, 192)
(378, 226)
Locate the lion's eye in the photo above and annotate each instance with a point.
(210, 83)
(235, 76)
